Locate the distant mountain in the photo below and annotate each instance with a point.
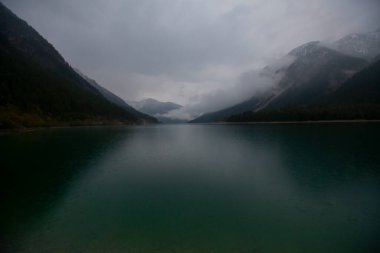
(158, 109)
(364, 45)
(223, 115)
(316, 72)
(115, 99)
(39, 88)
(154, 107)
(357, 98)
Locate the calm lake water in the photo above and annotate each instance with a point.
(192, 188)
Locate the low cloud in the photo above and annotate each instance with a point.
(248, 84)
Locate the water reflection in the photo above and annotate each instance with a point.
(202, 188)
(37, 167)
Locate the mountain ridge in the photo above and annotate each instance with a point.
(154, 107)
(110, 96)
(39, 88)
(357, 99)
(363, 45)
(318, 71)
(159, 110)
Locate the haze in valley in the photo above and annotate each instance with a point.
(201, 54)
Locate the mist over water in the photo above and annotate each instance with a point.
(193, 188)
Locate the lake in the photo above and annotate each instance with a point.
(192, 188)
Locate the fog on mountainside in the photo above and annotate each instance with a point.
(326, 64)
(204, 55)
(318, 71)
(226, 57)
(153, 107)
(160, 110)
(357, 99)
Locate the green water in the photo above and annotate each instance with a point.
(192, 188)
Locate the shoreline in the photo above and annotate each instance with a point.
(33, 129)
(290, 122)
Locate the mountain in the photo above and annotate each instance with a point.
(357, 98)
(362, 89)
(154, 107)
(111, 97)
(158, 109)
(39, 88)
(222, 115)
(316, 72)
(364, 45)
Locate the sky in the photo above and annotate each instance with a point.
(200, 53)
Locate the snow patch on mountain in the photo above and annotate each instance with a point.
(363, 45)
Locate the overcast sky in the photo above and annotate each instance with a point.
(186, 51)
